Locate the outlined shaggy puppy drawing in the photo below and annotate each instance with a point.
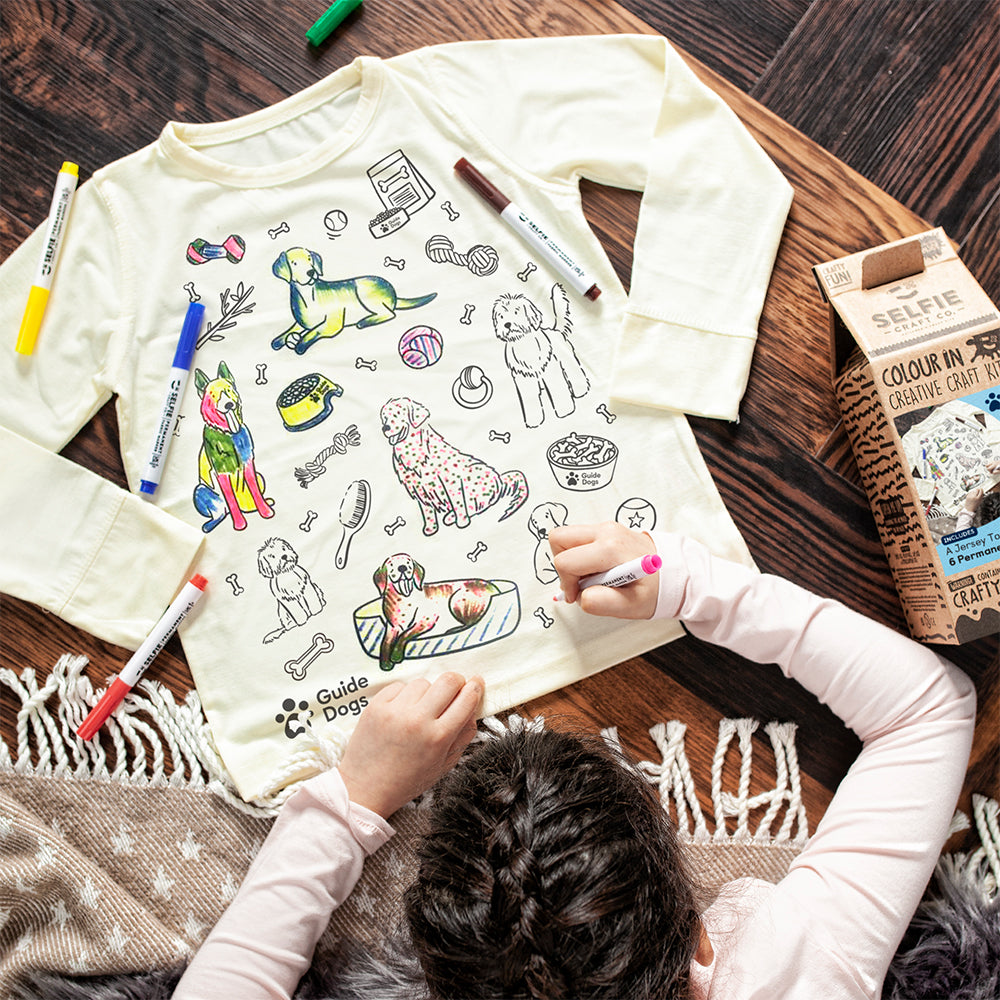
(443, 480)
(323, 308)
(230, 484)
(541, 359)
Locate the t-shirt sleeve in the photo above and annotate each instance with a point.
(854, 888)
(75, 543)
(627, 111)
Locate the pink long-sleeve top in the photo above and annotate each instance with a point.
(828, 929)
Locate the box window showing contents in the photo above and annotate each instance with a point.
(915, 355)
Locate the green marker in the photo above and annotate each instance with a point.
(334, 14)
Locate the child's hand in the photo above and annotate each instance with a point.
(973, 499)
(407, 737)
(581, 549)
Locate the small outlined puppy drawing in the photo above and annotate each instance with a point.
(323, 308)
(412, 607)
(541, 521)
(443, 480)
(229, 483)
(293, 588)
(541, 360)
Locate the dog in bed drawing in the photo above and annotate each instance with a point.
(444, 481)
(412, 607)
(291, 586)
(230, 485)
(541, 359)
(323, 308)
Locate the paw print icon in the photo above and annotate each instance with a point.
(295, 717)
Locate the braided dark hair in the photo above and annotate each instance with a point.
(550, 870)
(988, 510)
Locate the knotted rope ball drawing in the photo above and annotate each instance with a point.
(481, 259)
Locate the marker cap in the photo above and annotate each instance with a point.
(651, 563)
(32, 320)
(329, 20)
(100, 712)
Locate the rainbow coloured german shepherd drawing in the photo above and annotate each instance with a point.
(230, 484)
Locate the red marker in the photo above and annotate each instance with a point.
(143, 656)
(528, 230)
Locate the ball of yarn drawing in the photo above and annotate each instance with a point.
(421, 347)
(481, 259)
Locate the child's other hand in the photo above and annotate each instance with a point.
(407, 737)
(581, 549)
(973, 499)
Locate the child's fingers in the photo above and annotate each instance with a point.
(461, 710)
(439, 695)
(569, 536)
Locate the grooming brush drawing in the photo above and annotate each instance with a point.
(354, 509)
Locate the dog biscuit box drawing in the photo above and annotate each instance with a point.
(915, 349)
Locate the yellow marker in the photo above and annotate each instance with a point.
(62, 198)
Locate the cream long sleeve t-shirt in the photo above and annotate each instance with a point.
(828, 929)
(393, 397)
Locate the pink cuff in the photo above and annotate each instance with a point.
(369, 829)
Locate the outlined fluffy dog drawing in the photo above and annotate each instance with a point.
(229, 481)
(412, 607)
(541, 359)
(323, 308)
(443, 480)
(292, 587)
(541, 521)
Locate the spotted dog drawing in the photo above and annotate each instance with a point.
(322, 308)
(443, 480)
(230, 485)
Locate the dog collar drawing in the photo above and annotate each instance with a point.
(413, 618)
(230, 484)
(322, 308)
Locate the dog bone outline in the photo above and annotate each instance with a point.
(278, 230)
(298, 667)
(546, 621)
(477, 551)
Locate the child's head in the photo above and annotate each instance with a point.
(550, 870)
(988, 510)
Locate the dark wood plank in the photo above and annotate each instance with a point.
(915, 108)
(737, 40)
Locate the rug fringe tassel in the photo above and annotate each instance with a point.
(150, 725)
(147, 726)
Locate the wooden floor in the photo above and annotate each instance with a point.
(902, 93)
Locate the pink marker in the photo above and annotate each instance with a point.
(144, 655)
(619, 576)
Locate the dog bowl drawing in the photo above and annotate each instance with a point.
(582, 462)
(307, 401)
(500, 620)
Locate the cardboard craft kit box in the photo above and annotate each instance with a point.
(915, 348)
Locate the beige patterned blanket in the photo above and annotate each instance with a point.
(108, 864)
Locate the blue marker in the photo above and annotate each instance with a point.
(176, 383)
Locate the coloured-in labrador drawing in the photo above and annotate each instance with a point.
(446, 483)
(297, 595)
(541, 359)
(321, 308)
(412, 618)
(230, 485)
